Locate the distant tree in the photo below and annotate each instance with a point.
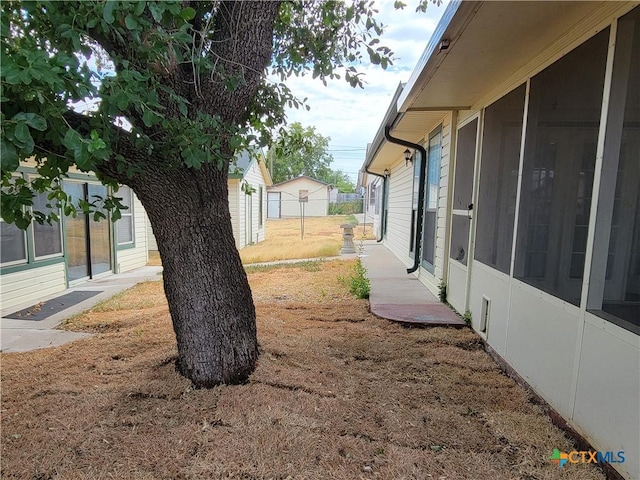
(342, 181)
(300, 151)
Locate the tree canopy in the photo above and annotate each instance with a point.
(175, 88)
(156, 64)
(301, 150)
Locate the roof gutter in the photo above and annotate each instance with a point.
(383, 217)
(421, 188)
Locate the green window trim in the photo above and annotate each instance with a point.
(30, 266)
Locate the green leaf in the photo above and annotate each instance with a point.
(156, 10)
(187, 13)
(21, 133)
(107, 12)
(140, 5)
(8, 156)
(131, 22)
(149, 118)
(32, 119)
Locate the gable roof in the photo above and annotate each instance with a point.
(243, 164)
(298, 178)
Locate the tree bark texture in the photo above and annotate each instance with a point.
(205, 283)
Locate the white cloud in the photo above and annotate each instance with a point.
(351, 117)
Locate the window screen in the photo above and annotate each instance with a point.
(499, 180)
(620, 298)
(562, 132)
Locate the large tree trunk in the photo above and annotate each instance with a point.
(206, 286)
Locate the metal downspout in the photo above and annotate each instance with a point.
(421, 188)
(384, 187)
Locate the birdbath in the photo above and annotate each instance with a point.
(347, 239)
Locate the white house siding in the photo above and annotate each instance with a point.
(234, 208)
(127, 257)
(588, 369)
(256, 180)
(317, 206)
(605, 388)
(373, 190)
(27, 287)
(399, 211)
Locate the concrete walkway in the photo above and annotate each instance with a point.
(24, 335)
(395, 295)
(399, 296)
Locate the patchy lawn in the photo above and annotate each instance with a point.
(337, 394)
(322, 238)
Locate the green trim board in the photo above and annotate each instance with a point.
(30, 266)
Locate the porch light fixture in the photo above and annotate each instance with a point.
(386, 172)
(408, 157)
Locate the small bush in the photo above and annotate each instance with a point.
(359, 284)
(345, 208)
(442, 292)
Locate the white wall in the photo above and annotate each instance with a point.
(586, 368)
(255, 178)
(137, 256)
(399, 211)
(27, 287)
(317, 206)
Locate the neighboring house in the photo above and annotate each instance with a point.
(288, 199)
(248, 211)
(372, 187)
(47, 259)
(521, 194)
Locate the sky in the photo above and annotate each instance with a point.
(351, 117)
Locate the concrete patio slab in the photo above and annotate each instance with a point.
(399, 296)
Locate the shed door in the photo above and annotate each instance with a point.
(273, 204)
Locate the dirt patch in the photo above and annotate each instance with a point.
(337, 394)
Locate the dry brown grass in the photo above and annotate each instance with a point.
(322, 238)
(337, 394)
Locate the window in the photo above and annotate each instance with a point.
(615, 270)
(125, 224)
(431, 199)
(502, 135)
(13, 241)
(562, 132)
(13, 248)
(47, 238)
(372, 194)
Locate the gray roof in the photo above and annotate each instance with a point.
(243, 162)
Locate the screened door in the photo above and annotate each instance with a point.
(461, 215)
(463, 192)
